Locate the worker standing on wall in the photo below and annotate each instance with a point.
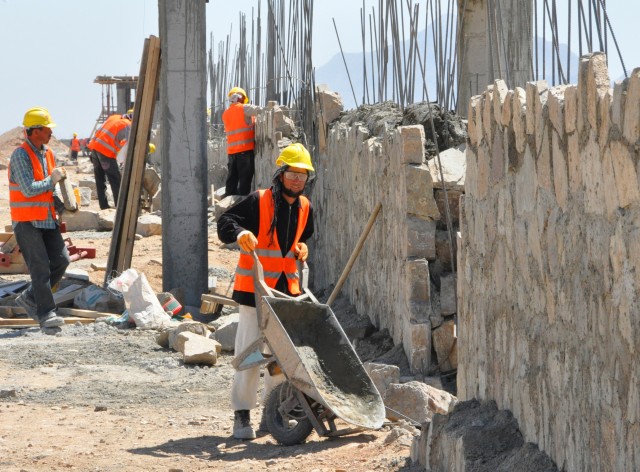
(75, 147)
(276, 223)
(108, 140)
(239, 125)
(32, 178)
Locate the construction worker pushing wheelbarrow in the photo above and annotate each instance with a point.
(321, 375)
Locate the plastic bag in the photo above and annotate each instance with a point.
(96, 298)
(140, 299)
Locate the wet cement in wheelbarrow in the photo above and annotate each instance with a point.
(331, 361)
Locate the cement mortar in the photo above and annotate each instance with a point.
(329, 359)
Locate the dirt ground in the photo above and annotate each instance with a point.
(97, 398)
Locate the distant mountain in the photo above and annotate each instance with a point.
(333, 73)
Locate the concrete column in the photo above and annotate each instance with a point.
(184, 158)
(496, 43)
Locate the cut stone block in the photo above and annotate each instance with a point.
(149, 225)
(448, 295)
(421, 238)
(444, 342)
(420, 201)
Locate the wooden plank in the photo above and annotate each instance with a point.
(78, 313)
(9, 245)
(128, 201)
(217, 298)
(114, 261)
(99, 265)
(149, 93)
(14, 311)
(6, 235)
(28, 323)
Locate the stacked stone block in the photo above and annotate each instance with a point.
(390, 280)
(549, 265)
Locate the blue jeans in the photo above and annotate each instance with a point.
(47, 259)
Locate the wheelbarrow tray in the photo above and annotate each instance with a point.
(317, 358)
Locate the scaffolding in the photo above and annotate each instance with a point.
(121, 101)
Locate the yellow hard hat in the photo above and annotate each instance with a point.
(130, 111)
(295, 155)
(152, 148)
(36, 117)
(241, 91)
(75, 135)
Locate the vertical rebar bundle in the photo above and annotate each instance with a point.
(414, 51)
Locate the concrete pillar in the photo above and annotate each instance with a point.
(496, 43)
(184, 157)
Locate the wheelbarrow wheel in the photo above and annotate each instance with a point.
(287, 427)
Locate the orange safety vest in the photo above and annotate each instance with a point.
(104, 140)
(270, 255)
(75, 144)
(240, 134)
(34, 208)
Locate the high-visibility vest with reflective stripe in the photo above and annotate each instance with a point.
(270, 255)
(240, 134)
(34, 208)
(105, 141)
(75, 144)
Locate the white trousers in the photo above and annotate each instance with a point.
(244, 391)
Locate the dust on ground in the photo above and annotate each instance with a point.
(96, 398)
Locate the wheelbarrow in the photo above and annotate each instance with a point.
(325, 379)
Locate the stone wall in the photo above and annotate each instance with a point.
(549, 265)
(390, 280)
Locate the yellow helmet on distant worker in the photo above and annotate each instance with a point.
(37, 117)
(152, 148)
(295, 155)
(240, 91)
(75, 135)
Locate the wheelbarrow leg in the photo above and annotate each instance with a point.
(311, 414)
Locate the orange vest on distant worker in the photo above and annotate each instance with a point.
(240, 134)
(104, 140)
(34, 208)
(270, 255)
(75, 144)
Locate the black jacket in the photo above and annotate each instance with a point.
(245, 215)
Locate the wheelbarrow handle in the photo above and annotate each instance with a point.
(261, 288)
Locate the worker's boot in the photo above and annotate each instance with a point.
(51, 320)
(242, 425)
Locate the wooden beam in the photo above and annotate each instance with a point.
(125, 223)
(78, 313)
(29, 323)
(221, 299)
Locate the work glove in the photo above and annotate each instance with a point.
(247, 241)
(58, 174)
(301, 251)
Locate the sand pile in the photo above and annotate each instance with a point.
(14, 137)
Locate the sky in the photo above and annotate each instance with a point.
(51, 51)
